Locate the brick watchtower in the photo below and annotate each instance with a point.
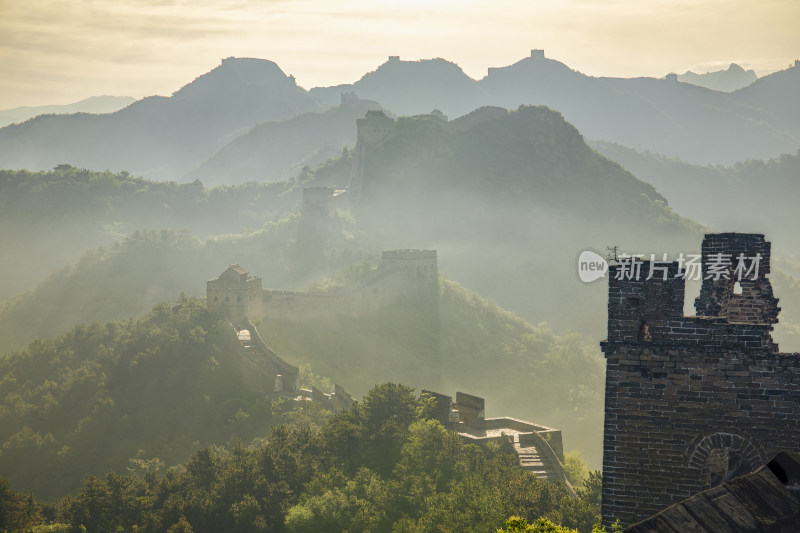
(692, 401)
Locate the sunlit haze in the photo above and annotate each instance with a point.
(59, 51)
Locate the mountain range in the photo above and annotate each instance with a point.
(161, 137)
(662, 115)
(185, 136)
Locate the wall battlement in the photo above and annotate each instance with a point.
(401, 275)
(408, 254)
(374, 128)
(649, 313)
(693, 401)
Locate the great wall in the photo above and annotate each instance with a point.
(403, 275)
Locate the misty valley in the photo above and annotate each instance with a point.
(253, 307)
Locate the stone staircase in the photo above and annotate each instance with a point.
(531, 460)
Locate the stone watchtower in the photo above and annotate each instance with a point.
(374, 128)
(693, 401)
(420, 266)
(318, 201)
(236, 294)
(371, 131)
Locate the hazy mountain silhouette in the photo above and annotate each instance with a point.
(278, 150)
(168, 137)
(414, 87)
(778, 95)
(678, 119)
(753, 196)
(510, 199)
(161, 137)
(94, 104)
(735, 77)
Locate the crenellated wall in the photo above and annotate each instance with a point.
(402, 275)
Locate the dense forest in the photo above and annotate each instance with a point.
(382, 465)
(138, 395)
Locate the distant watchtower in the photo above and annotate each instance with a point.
(419, 265)
(693, 401)
(371, 131)
(374, 128)
(236, 294)
(318, 201)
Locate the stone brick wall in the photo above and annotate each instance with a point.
(692, 401)
(403, 275)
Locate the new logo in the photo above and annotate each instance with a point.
(591, 266)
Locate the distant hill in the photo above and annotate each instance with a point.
(94, 104)
(510, 202)
(49, 219)
(279, 150)
(127, 277)
(776, 94)
(475, 193)
(751, 196)
(414, 87)
(160, 137)
(735, 77)
(678, 119)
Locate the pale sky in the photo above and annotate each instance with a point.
(61, 51)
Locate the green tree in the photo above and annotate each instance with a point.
(18, 512)
(516, 524)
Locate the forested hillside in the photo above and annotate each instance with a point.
(382, 465)
(135, 396)
(125, 279)
(49, 219)
(62, 394)
(524, 371)
(509, 203)
(750, 196)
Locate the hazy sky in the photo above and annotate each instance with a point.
(60, 51)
